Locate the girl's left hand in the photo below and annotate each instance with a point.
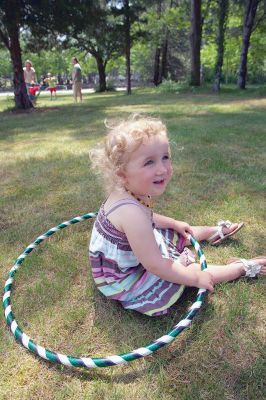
(183, 228)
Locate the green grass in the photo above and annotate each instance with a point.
(218, 149)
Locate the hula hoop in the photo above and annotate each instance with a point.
(88, 362)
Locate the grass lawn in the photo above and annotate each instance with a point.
(218, 150)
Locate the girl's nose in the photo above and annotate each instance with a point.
(161, 168)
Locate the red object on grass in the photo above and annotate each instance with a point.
(33, 90)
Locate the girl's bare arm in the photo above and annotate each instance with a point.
(166, 222)
(137, 227)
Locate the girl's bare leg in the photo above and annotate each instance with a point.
(223, 273)
(229, 272)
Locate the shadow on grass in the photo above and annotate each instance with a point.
(78, 119)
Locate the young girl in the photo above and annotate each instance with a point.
(138, 257)
(51, 81)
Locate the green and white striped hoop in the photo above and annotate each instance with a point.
(88, 362)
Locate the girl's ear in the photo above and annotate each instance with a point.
(122, 175)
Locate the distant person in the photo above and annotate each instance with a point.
(51, 82)
(29, 74)
(76, 79)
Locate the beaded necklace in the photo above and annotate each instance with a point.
(149, 205)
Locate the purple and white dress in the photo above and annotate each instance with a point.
(119, 275)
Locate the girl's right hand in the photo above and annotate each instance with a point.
(205, 280)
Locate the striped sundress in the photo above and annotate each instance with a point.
(119, 275)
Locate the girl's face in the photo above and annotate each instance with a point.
(149, 168)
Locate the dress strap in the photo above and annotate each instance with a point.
(120, 203)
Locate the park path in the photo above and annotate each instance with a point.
(68, 91)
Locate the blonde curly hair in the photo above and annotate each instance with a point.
(111, 156)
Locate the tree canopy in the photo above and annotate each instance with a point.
(149, 40)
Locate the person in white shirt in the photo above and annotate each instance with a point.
(76, 79)
(29, 74)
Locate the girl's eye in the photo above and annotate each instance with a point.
(166, 157)
(149, 162)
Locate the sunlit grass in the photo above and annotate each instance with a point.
(218, 150)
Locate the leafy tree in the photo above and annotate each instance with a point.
(12, 17)
(157, 73)
(168, 27)
(248, 26)
(5, 64)
(127, 27)
(195, 40)
(55, 61)
(102, 38)
(256, 54)
(161, 51)
(142, 60)
(46, 18)
(223, 7)
(129, 12)
(232, 38)
(233, 42)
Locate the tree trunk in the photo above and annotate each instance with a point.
(127, 46)
(157, 76)
(222, 19)
(250, 13)
(12, 43)
(20, 91)
(195, 41)
(164, 70)
(102, 75)
(164, 65)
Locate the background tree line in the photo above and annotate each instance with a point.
(194, 40)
